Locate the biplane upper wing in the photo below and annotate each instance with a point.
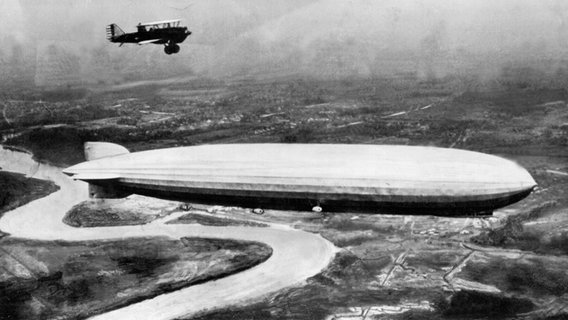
(154, 23)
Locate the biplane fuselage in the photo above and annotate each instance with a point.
(168, 33)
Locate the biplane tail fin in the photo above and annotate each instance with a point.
(113, 31)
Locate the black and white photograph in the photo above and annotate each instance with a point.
(283, 159)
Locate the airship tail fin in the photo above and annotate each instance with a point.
(101, 185)
(98, 150)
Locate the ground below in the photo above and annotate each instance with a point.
(509, 265)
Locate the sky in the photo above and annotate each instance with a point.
(326, 37)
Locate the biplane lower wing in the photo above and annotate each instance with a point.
(150, 41)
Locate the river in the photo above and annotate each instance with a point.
(297, 255)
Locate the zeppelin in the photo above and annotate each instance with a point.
(328, 177)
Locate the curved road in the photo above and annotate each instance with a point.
(296, 256)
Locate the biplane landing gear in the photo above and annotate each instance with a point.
(171, 48)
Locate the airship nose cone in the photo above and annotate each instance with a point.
(523, 178)
(530, 181)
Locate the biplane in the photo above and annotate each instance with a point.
(168, 32)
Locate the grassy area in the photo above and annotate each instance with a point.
(210, 220)
(18, 190)
(41, 280)
(531, 276)
(114, 212)
(473, 304)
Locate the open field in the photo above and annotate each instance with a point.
(390, 266)
(70, 280)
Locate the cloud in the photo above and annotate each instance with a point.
(327, 37)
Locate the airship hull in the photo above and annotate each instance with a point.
(358, 178)
(332, 202)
